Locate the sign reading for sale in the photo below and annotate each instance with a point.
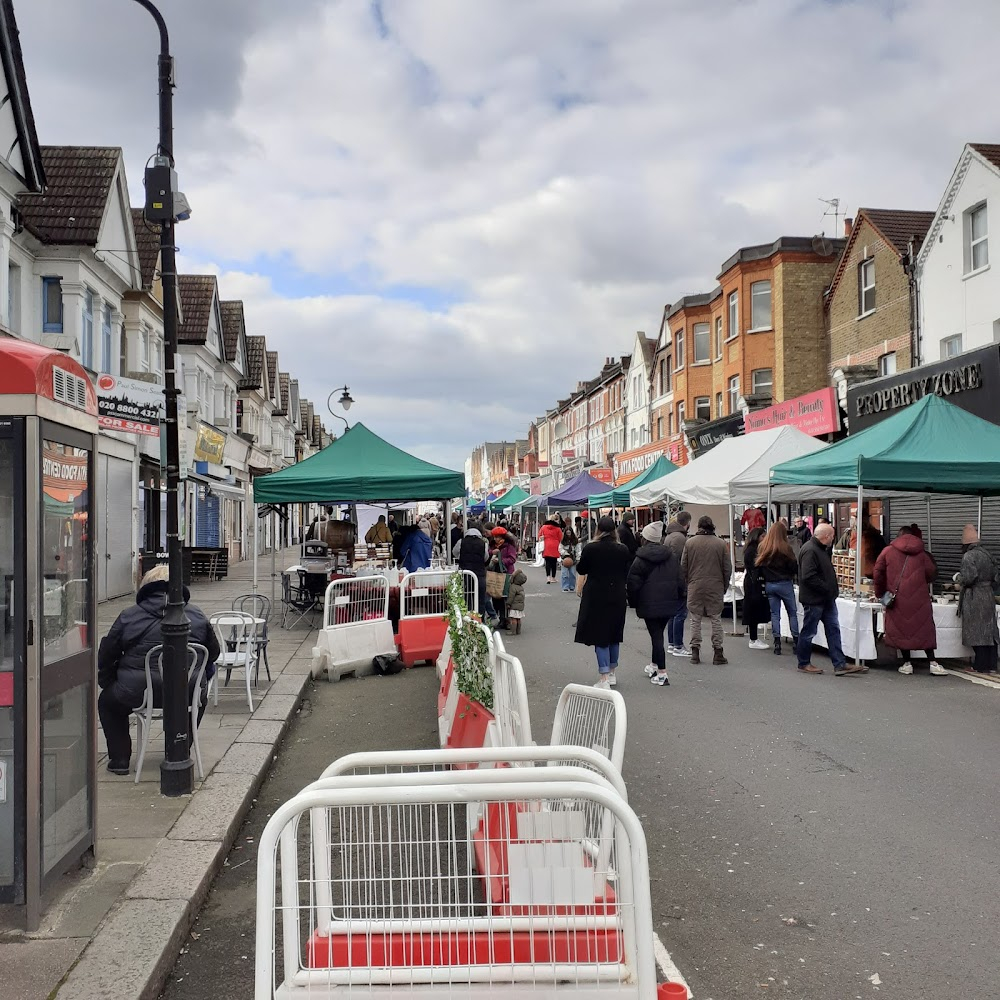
(129, 405)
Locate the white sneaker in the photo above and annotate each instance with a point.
(670, 650)
(612, 679)
(650, 668)
(681, 651)
(906, 668)
(604, 684)
(759, 644)
(937, 670)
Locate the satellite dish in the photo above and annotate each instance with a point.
(822, 246)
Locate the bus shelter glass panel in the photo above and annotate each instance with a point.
(67, 635)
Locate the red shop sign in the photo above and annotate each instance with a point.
(815, 413)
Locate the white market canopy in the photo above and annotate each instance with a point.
(737, 470)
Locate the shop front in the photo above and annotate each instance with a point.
(628, 465)
(702, 438)
(816, 413)
(48, 659)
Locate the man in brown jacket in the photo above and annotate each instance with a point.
(675, 539)
(707, 569)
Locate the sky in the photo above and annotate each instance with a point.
(459, 208)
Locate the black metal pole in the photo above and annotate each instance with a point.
(176, 771)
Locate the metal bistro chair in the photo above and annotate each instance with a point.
(237, 634)
(260, 607)
(146, 714)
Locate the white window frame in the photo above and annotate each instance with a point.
(753, 380)
(719, 404)
(680, 415)
(703, 403)
(887, 364)
(975, 243)
(678, 350)
(866, 287)
(704, 331)
(947, 343)
(719, 335)
(87, 330)
(733, 393)
(734, 316)
(143, 346)
(755, 294)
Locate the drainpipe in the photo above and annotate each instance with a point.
(911, 274)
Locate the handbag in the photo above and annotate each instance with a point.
(888, 599)
(497, 584)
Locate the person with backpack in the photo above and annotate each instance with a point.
(656, 592)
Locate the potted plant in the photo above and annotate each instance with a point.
(471, 672)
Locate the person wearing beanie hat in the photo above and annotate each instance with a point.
(976, 603)
(625, 533)
(706, 570)
(656, 592)
(603, 569)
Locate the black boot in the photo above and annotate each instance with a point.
(777, 645)
(695, 657)
(719, 656)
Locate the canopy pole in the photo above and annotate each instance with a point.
(979, 523)
(732, 561)
(255, 530)
(447, 533)
(275, 525)
(858, 523)
(770, 520)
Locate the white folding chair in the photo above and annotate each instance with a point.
(146, 714)
(237, 634)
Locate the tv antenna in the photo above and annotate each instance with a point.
(833, 208)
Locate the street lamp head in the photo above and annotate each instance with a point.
(345, 399)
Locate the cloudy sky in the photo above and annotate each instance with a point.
(460, 207)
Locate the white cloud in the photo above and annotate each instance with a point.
(554, 170)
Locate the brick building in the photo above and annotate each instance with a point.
(870, 306)
(759, 337)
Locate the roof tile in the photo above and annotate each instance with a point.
(196, 294)
(899, 226)
(147, 240)
(78, 184)
(232, 323)
(990, 151)
(256, 347)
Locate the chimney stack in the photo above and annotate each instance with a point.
(848, 226)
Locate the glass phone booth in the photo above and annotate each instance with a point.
(48, 643)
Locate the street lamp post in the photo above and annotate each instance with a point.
(176, 771)
(345, 401)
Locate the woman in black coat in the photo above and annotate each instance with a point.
(603, 567)
(656, 591)
(121, 662)
(756, 608)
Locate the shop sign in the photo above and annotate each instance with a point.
(630, 464)
(958, 379)
(209, 445)
(601, 473)
(705, 437)
(535, 487)
(129, 405)
(814, 413)
(64, 473)
(676, 453)
(569, 453)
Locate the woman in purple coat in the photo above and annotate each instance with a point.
(906, 569)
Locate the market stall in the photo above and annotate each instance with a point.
(620, 496)
(930, 447)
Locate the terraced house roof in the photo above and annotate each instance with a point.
(284, 381)
(272, 378)
(232, 324)
(256, 348)
(147, 241)
(196, 293)
(70, 209)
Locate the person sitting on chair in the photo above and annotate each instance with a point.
(121, 662)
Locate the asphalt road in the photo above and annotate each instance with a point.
(810, 836)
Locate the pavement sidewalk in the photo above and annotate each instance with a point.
(114, 930)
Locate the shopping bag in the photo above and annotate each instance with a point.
(497, 584)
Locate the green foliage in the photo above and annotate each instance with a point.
(469, 647)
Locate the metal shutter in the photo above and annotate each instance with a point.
(207, 520)
(115, 487)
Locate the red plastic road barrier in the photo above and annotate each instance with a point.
(462, 948)
(421, 639)
(671, 991)
(468, 728)
(449, 673)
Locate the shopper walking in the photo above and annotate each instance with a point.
(706, 569)
(603, 569)
(656, 592)
(471, 555)
(626, 535)
(756, 610)
(777, 563)
(904, 569)
(675, 540)
(550, 534)
(976, 603)
(818, 591)
(569, 556)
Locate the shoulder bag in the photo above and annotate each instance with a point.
(888, 599)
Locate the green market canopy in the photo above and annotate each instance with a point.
(511, 498)
(620, 496)
(929, 447)
(359, 466)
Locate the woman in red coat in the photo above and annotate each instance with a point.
(906, 568)
(551, 535)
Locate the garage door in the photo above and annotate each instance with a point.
(115, 486)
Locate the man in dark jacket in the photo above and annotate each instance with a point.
(799, 533)
(121, 662)
(471, 556)
(675, 539)
(626, 535)
(818, 591)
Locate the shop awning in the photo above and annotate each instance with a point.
(359, 466)
(620, 496)
(736, 470)
(930, 447)
(511, 498)
(227, 491)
